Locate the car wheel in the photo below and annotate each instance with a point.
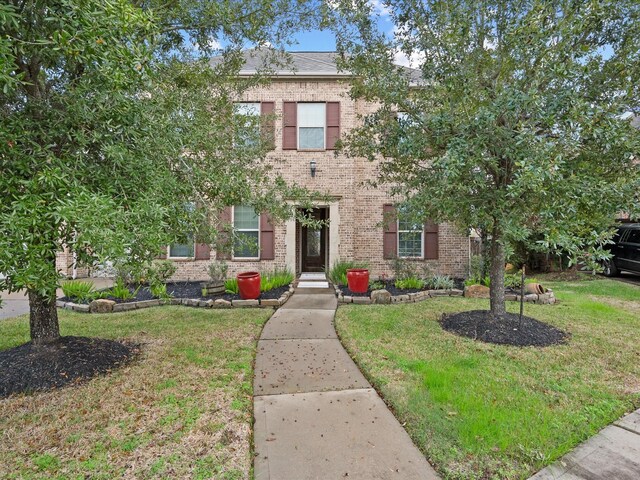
(610, 269)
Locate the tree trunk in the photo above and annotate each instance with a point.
(496, 275)
(43, 318)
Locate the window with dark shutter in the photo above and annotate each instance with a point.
(290, 126)
(267, 246)
(431, 233)
(333, 124)
(390, 232)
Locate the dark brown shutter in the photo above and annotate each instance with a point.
(430, 240)
(224, 245)
(268, 131)
(203, 251)
(333, 124)
(290, 126)
(390, 236)
(266, 238)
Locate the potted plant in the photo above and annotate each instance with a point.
(218, 274)
(358, 280)
(249, 285)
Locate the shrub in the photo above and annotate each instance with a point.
(218, 271)
(376, 285)
(338, 273)
(159, 290)
(121, 291)
(231, 286)
(414, 283)
(274, 279)
(513, 281)
(79, 290)
(441, 282)
(161, 271)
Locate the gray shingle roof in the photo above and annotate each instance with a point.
(316, 64)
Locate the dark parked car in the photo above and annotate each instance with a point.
(625, 250)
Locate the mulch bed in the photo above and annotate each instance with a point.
(504, 330)
(185, 290)
(389, 286)
(70, 360)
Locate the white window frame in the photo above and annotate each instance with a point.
(258, 113)
(324, 126)
(421, 257)
(233, 222)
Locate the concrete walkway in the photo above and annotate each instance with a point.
(17, 303)
(614, 453)
(316, 416)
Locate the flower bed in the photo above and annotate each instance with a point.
(181, 293)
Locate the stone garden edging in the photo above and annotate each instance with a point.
(109, 306)
(382, 296)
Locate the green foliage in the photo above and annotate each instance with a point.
(404, 268)
(80, 290)
(218, 271)
(520, 129)
(513, 281)
(159, 290)
(274, 279)
(408, 283)
(440, 282)
(376, 285)
(337, 274)
(161, 271)
(121, 291)
(231, 286)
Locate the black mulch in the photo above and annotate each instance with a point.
(185, 290)
(504, 330)
(389, 285)
(70, 360)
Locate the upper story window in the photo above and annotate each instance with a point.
(248, 133)
(311, 125)
(246, 227)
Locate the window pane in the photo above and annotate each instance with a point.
(181, 250)
(410, 244)
(311, 138)
(313, 242)
(245, 245)
(311, 114)
(246, 108)
(245, 218)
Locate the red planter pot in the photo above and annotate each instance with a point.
(358, 280)
(249, 285)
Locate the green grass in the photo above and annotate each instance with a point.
(188, 393)
(487, 411)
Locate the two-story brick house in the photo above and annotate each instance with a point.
(312, 110)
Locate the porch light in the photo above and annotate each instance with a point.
(314, 166)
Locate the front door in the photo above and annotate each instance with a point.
(314, 243)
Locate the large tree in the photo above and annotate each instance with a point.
(113, 121)
(513, 120)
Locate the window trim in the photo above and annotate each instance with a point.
(324, 128)
(234, 229)
(421, 256)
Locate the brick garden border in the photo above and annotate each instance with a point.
(547, 298)
(189, 302)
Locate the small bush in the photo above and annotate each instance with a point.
(231, 286)
(121, 291)
(159, 290)
(218, 271)
(79, 290)
(441, 282)
(513, 281)
(413, 283)
(376, 285)
(275, 279)
(338, 273)
(161, 271)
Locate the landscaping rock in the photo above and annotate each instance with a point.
(531, 298)
(77, 307)
(176, 301)
(60, 304)
(510, 297)
(476, 291)
(347, 299)
(206, 303)
(245, 303)
(362, 300)
(422, 296)
(123, 307)
(222, 303)
(439, 293)
(147, 303)
(380, 297)
(191, 302)
(269, 302)
(400, 298)
(455, 292)
(101, 305)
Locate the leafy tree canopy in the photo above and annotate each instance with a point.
(513, 115)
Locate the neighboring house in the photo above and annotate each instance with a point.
(313, 109)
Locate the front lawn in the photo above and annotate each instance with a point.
(182, 410)
(487, 411)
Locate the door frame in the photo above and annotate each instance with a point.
(322, 213)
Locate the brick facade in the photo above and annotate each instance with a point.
(356, 211)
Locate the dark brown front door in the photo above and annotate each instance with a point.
(313, 243)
